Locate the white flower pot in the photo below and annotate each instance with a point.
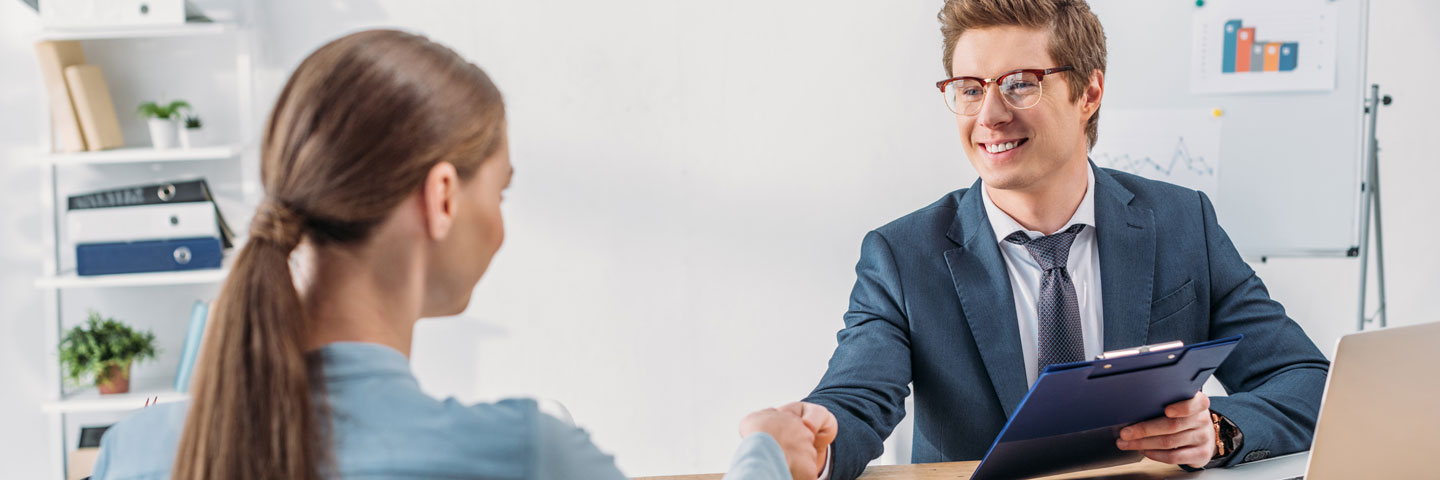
(192, 137)
(162, 133)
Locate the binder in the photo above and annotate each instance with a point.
(191, 351)
(93, 107)
(197, 190)
(1071, 417)
(147, 256)
(171, 192)
(142, 222)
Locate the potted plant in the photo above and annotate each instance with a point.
(104, 349)
(193, 134)
(162, 120)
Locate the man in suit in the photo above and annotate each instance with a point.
(1049, 259)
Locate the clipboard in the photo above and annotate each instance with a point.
(1072, 415)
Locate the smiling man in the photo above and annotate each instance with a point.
(1049, 259)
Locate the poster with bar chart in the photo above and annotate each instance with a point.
(1279, 45)
(1175, 145)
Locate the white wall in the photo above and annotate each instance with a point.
(693, 183)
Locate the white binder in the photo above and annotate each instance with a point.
(142, 222)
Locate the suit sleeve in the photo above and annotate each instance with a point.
(1275, 376)
(867, 381)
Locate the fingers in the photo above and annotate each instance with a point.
(794, 408)
(1183, 439)
(1195, 457)
(821, 421)
(1164, 426)
(1199, 403)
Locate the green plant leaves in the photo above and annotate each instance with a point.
(164, 112)
(88, 350)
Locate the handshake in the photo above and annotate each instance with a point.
(803, 430)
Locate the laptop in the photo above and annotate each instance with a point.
(1380, 417)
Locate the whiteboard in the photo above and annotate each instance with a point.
(1290, 163)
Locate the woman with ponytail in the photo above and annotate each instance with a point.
(383, 162)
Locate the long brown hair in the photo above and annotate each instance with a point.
(354, 132)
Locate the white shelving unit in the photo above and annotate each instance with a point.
(191, 277)
(142, 155)
(186, 30)
(93, 401)
(55, 281)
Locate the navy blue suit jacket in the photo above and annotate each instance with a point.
(932, 306)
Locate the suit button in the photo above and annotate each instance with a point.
(1256, 455)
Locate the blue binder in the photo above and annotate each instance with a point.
(148, 256)
(1070, 419)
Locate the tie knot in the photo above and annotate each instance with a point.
(1050, 251)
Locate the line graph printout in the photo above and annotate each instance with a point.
(1179, 146)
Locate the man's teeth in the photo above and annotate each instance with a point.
(1000, 147)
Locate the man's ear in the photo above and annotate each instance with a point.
(439, 199)
(1090, 99)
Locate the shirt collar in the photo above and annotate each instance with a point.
(1003, 224)
(341, 360)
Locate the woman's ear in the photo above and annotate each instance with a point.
(439, 197)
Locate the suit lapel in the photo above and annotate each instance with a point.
(978, 270)
(1126, 236)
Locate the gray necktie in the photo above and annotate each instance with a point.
(1057, 310)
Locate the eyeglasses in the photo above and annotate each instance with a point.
(1020, 89)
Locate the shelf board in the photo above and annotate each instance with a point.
(143, 155)
(71, 280)
(146, 31)
(92, 401)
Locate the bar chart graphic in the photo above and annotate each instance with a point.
(1243, 53)
(1270, 46)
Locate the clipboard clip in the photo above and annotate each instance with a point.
(1126, 352)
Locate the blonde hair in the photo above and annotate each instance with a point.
(1076, 37)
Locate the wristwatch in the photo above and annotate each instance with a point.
(1227, 437)
(1228, 440)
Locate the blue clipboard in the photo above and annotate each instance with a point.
(1072, 415)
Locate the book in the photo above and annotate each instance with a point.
(160, 193)
(94, 108)
(191, 351)
(147, 256)
(142, 222)
(53, 57)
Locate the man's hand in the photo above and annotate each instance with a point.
(803, 431)
(1185, 435)
(819, 420)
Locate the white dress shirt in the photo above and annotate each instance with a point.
(1083, 264)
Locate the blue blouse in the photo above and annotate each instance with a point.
(386, 427)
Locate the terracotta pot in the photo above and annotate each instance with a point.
(115, 380)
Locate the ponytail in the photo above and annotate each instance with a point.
(251, 413)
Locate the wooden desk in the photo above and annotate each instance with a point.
(1144, 470)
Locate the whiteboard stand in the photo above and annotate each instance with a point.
(1370, 200)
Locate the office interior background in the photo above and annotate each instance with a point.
(693, 183)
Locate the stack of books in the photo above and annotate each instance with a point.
(80, 106)
(147, 228)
